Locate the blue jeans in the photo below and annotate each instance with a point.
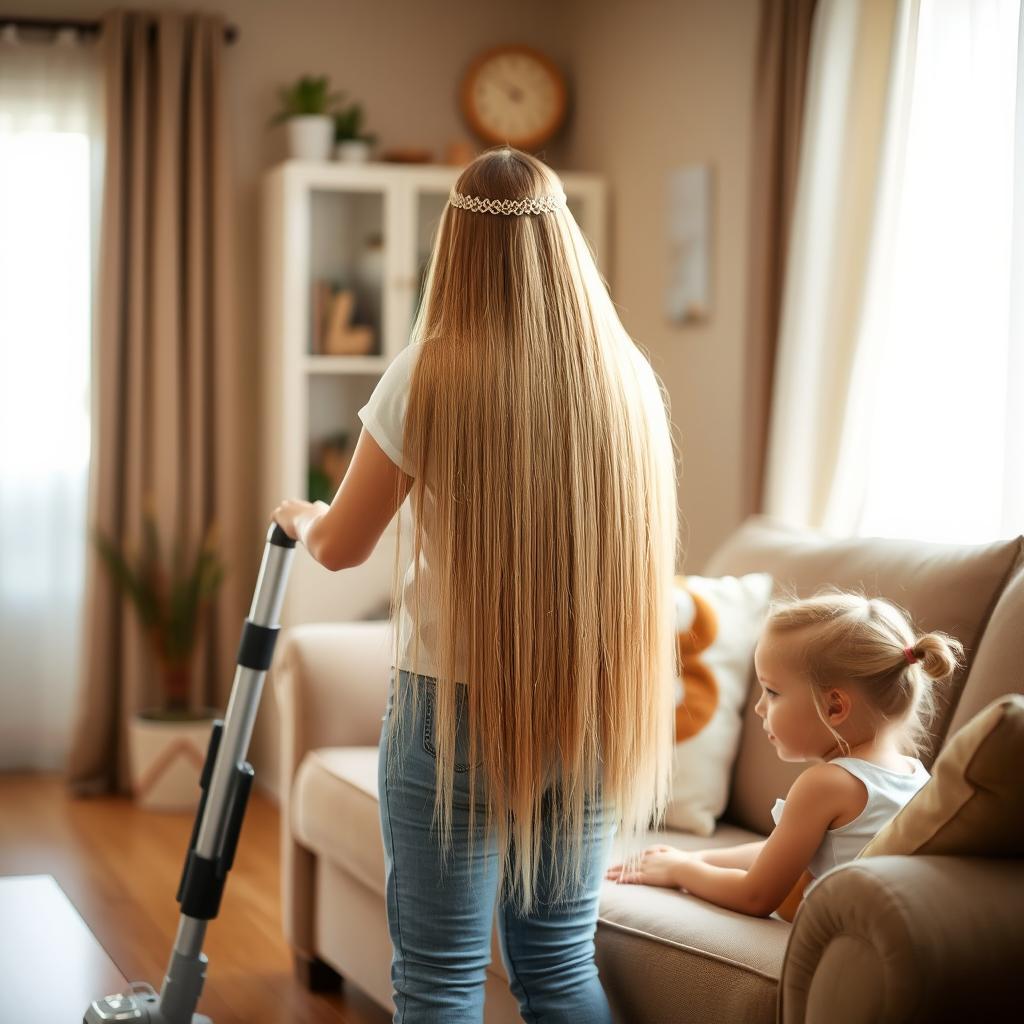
(441, 908)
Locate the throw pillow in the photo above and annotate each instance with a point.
(974, 803)
(718, 622)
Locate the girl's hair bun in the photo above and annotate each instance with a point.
(938, 654)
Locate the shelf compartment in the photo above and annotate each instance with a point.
(346, 252)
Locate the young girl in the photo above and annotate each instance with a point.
(532, 699)
(846, 685)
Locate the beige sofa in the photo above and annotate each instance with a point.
(884, 939)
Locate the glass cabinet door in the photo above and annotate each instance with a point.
(429, 202)
(332, 430)
(350, 247)
(347, 257)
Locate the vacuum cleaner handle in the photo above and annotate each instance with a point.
(227, 776)
(279, 538)
(226, 783)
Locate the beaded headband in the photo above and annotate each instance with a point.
(509, 207)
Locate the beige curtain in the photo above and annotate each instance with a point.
(784, 40)
(853, 126)
(166, 408)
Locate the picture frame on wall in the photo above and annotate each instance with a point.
(688, 228)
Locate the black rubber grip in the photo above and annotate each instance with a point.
(211, 752)
(204, 878)
(279, 538)
(244, 774)
(204, 785)
(202, 887)
(256, 649)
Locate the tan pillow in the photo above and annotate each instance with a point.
(974, 803)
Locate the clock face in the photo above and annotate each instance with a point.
(514, 95)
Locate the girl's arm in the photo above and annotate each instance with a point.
(724, 857)
(814, 800)
(345, 533)
(742, 856)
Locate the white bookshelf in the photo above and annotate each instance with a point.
(317, 221)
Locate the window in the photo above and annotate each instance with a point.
(944, 429)
(49, 187)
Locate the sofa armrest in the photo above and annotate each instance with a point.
(888, 939)
(330, 681)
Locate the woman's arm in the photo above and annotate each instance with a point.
(345, 533)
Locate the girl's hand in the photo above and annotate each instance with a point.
(291, 513)
(657, 866)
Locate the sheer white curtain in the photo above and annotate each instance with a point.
(857, 49)
(50, 170)
(930, 436)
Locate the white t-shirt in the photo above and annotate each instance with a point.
(383, 416)
(384, 413)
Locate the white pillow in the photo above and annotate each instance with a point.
(718, 622)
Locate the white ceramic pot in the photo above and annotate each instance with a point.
(352, 151)
(310, 136)
(166, 758)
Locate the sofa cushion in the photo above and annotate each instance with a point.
(946, 587)
(974, 804)
(998, 668)
(334, 813)
(334, 810)
(668, 956)
(691, 924)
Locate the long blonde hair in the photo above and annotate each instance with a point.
(543, 439)
(853, 638)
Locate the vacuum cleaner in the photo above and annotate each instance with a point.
(225, 783)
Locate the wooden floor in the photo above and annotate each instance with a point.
(120, 868)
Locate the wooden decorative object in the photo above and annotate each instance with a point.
(343, 338)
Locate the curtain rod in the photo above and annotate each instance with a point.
(86, 28)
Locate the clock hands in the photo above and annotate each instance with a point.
(514, 92)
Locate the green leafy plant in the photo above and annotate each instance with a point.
(169, 600)
(348, 125)
(309, 95)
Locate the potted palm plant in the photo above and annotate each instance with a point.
(351, 143)
(167, 741)
(308, 107)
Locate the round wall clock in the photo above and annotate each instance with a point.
(515, 95)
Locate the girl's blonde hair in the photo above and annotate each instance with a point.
(540, 437)
(854, 638)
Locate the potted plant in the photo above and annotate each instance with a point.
(351, 143)
(308, 107)
(167, 742)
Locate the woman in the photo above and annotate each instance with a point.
(531, 705)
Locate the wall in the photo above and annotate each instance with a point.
(660, 84)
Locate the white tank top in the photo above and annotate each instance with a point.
(888, 792)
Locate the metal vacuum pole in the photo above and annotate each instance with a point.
(226, 781)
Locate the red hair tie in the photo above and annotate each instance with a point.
(908, 653)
